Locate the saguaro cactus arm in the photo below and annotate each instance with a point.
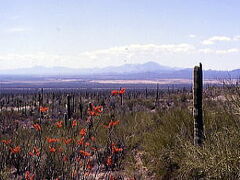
(197, 105)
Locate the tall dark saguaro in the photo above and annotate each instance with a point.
(197, 105)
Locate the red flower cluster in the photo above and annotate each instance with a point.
(35, 152)
(85, 153)
(43, 109)
(29, 176)
(6, 141)
(112, 123)
(95, 110)
(59, 124)
(118, 92)
(37, 127)
(74, 123)
(116, 149)
(83, 132)
(52, 149)
(15, 150)
(52, 140)
(68, 141)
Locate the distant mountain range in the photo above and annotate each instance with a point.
(149, 70)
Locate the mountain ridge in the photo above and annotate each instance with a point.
(149, 70)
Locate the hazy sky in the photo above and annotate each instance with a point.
(98, 33)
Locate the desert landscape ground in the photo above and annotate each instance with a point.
(106, 133)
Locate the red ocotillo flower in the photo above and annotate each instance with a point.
(83, 132)
(95, 110)
(37, 127)
(115, 149)
(35, 152)
(81, 141)
(52, 140)
(6, 141)
(59, 124)
(85, 153)
(74, 123)
(109, 161)
(112, 123)
(67, 141)
(43, 109)
(29, 176)
(117, 92)
(16, 149)
(98, 109)
(89, 165)
(52, 149)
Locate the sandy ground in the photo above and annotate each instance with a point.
(157, 81)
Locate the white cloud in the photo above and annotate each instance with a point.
(214, 39)
(236, 38)
(165, 54)
(192, 36)
(17, 29)
(217, 51)
(135, 53)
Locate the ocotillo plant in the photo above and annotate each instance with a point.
(146, 93)
(157, 97)
(69, 111)
(197, 105)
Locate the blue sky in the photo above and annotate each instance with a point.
(98, 33)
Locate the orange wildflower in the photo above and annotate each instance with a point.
(122, 91)
(37, 127)
(29, 176)
(109, 161)
(52, 140)
(89, 165)
(43, 109)
(93, 113)
(35, 152)
(74, 123)
(85, 153)
(115, 149)
(59, 124)
(52, 149)
(15, 150)
(115, 92)
(6, 141)
(83, 132)
(95, 110)
(68, 141)
(98, 109)
(81, 141)
(112, 123)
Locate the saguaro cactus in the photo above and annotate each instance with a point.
(197, 105)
